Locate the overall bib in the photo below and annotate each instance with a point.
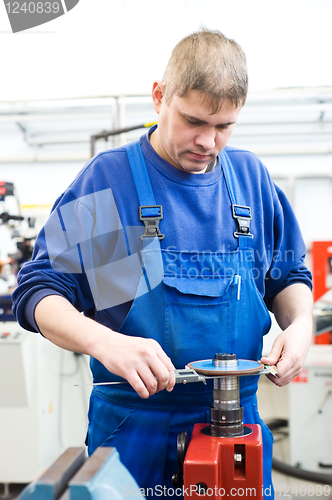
(194, 304)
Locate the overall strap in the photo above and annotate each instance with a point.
(149, 212)
(240, 211)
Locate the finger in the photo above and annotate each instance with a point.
(280, 379)
(274, 356)
(170, 367)
(286, 372)
(165, 360)
(149, 378)
(137, 384)
(171, 381)
(284, 365)
(162, 374)
(272, 359)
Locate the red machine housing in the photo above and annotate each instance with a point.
(322, 278)
(210, 468)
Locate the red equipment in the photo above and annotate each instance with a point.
(322, 278)
(224, 458)
(221, 467)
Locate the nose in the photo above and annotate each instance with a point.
(206, 139)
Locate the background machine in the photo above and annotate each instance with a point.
(41, 412)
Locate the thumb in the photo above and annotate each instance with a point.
(273, 357)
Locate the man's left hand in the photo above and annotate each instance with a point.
(293, 310)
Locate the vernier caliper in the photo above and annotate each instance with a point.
(188, 375)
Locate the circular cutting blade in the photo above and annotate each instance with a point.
(244, 367)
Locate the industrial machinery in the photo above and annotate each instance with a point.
(310, 431)
(29, 388)
(41, 412)
(29, 404)
(310, 410)
(322, 285)
(224, 458)
(16, 235)
(323, 314)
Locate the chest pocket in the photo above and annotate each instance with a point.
(197, 317)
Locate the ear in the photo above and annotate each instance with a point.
(158, 91)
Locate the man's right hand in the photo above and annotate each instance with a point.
(142, 362)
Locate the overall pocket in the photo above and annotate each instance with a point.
(197, 318)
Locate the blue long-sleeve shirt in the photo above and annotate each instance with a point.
(88, 250)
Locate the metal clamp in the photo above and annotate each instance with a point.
(186, 375)
(243, 220)
(151, 215)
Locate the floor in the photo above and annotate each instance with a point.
(273, 404)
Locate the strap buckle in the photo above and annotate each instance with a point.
(242, 215)
(151, 215)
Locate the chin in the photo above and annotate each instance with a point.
(195, 169)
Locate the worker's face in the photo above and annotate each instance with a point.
(188, 135)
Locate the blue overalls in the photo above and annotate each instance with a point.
(194, 304)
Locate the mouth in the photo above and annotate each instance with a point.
(203, 157)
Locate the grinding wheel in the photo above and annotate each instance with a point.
(244, 367)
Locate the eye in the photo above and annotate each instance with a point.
(224, 126)
(193, 122)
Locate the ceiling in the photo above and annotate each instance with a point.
(284, 121)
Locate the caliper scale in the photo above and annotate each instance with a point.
(225, 457)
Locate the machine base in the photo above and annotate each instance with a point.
(219, 467)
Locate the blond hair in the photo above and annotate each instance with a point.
(211, 63)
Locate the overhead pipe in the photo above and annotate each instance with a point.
(108, 133)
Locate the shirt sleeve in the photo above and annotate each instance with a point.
(83, 254)
(56, 267)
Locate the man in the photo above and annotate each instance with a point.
(198, 281)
